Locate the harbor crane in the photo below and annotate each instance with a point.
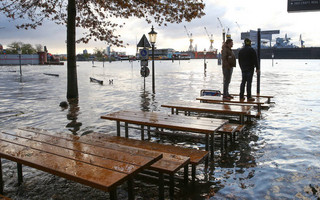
(223, 30)
(190, 39)
(210, 38)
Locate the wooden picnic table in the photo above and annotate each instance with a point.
(225, 109)
(101, 167)
(205, 126)
(220, 99)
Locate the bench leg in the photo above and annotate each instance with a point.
(113, 194)
(161, 186)
(193, 174)
(142, 132)
(118, 128)
(126, 130)
(1, 178)
(149, 136)
(186, 175)
(172, 110)
(20, 177)
(171, 190)
(130, 189)
(212, 146)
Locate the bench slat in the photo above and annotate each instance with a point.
(79, 156)
(190, 124)
(196, 156)
(98, 177)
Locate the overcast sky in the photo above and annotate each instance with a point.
(237, 15)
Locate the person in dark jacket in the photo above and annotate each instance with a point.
(248, 61)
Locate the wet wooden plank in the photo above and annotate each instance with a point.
(215, 99)
(110, 151)
(97, 177)
(196, 156)
(210, 108)
(169, 163)
(115, 165)
(160, 120)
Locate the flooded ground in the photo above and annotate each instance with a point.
(278, 157)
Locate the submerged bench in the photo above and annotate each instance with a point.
(204, 126)
(100, 166)
(174, 157)
(231, 130)
(222, 109)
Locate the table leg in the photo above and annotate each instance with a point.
(186, 175)
(172, 110)
(118, 128)
(211, 146)
(149, 136)
(20, 177)
(171, 190)
(1, 178)
(130, 189)
(113, 194)
(161, 186)
(193, 174)
(126, 129)
(142, 132)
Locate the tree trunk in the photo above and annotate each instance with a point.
(72, 86)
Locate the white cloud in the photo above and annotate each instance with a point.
(249, 14)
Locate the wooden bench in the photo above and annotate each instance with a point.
(222, 109)
(268, 97)
(4, 198)
(231, 130)
(204, 126)
(215, 99)
(100, 166)
(170, 163)
(169, 152)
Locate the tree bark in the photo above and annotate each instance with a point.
(72, 85)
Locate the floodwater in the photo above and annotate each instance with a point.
(278, 157)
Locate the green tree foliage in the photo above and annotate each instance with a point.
(25, 48)
(99, 53)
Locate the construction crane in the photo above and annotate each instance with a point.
(210, 38)
(190, 39)
(223, 30)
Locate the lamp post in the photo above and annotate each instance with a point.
(153, 38)
(19, 52)
(204, 59)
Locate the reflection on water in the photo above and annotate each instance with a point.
(278, 157)
(72, 115)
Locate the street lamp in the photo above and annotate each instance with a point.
(19, 52)
(153, 38)
(204, 59)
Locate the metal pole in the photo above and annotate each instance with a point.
(259, 61)
(20, 64)
(153, 86)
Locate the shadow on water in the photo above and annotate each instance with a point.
(72, 116)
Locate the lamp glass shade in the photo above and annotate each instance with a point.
(152, 36)
(204, 52)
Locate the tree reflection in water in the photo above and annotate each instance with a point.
(72, 115)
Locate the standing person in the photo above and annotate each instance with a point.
(228, 63)
(248, 61)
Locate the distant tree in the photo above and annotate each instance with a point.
(96, 16)
(25, 48)
(99, 53)
(39, 47)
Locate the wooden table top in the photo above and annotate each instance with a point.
(204, 107)
(162, 120)
(215, 99)
(92, 165)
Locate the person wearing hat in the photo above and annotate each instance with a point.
(248, 61)
(228, 63)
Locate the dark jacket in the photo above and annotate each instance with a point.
(248, 59)
(228, 57)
